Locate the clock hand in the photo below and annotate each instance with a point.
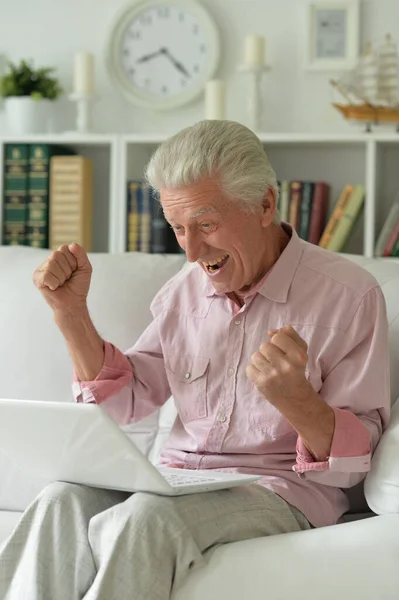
(177, 64)
(149, 56)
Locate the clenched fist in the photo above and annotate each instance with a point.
(278, 368)
(64, 278)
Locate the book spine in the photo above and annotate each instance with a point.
(285, 200)
(347, 220)
(159, 228)
(15, 194)
(145, 218)
(305, 210)
(71, 201)
(386, 230)
(133, 188)
(318, 215)
(38, 208)
(338, 211)
(295, 204)
(390, 245)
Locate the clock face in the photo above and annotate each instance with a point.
(164, 50)
(162, 53)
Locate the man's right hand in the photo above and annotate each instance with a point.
(64, 278)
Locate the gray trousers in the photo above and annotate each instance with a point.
(76, 542)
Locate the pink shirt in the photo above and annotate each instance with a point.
(198, 347)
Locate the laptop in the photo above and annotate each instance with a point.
(80, 443)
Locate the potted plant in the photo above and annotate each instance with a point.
(29, 94)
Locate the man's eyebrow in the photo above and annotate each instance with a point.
(198, 214)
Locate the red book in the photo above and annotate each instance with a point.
(390, 245)
(319, 212)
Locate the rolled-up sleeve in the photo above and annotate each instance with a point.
(357, 388)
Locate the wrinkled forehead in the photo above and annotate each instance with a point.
(192, 202)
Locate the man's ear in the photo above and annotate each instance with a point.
(269, 204)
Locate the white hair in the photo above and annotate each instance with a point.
(225, 150)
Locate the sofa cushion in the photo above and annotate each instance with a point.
(381, 486)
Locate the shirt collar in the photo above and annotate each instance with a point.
(277, 281)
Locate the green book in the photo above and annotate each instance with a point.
(39, 190)
(15, 194)
(347, 220)
(306, 209)
(395, 251)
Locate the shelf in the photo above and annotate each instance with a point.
(61, 138)
(338, 159)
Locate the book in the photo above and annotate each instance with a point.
(163, 238)
(387, 228)
(395, 251)
(132, 216)
(38, 189)
(318, 215)
(391, 242)
(337, 213)
(71, 201)
(284, 203)
(295, 204)
(145, 212)
(305, 209)
(15, 194)
(348, 219)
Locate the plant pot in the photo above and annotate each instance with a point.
(25, 115)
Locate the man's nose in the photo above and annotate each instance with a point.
(193, 247)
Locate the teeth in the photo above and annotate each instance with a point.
(216, 261)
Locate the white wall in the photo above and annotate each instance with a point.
(51, 31)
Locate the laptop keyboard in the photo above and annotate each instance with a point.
(178, 480)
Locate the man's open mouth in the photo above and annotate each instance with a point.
(215, 265)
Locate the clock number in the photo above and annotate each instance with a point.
(181, 17)
(164, 89)
(196, 68)
(146, 20)
(126, 52)
(203, 49)
(147, 82)
(195, 29)
(135, 35)
(163, 12)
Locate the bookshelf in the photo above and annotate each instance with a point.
(371, 159)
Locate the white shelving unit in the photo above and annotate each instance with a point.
(103, 150)
(370, 159)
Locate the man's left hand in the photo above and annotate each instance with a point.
(278, 368)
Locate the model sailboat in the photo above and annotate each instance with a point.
(372, 88)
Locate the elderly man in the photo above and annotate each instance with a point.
(275, 352)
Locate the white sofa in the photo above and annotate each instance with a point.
(357, 560)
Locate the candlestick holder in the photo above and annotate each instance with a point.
(84, 103)
(254, 93)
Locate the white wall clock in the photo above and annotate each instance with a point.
(161, 53)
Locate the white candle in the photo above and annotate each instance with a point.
(215, 99)
(255, 50)
(84, 73)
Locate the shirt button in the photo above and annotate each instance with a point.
(222, 418)
(230, 371)
(237, 321)
(187, 375)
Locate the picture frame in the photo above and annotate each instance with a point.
(332, 34)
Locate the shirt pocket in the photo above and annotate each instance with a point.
(188, 381)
